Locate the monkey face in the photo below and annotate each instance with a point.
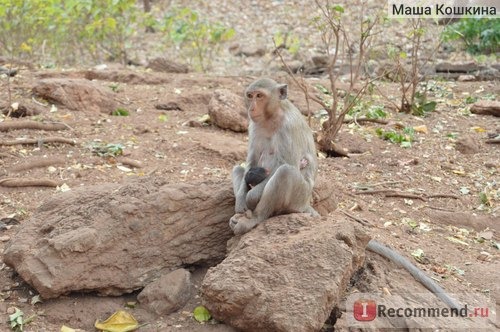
(256, 102)
(263, 99)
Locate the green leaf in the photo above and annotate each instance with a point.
(201, 314)
(429, 107)
(120, 112)
(470, 100)
(406, 145)
(338, 8)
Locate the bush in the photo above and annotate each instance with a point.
(479, 35)
(68, 30)
(198, 39)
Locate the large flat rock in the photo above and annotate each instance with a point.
(114, 239)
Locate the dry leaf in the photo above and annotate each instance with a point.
(120, 321)
(421, 129)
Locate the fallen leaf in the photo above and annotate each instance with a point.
(455, 240)
(63, 188)
(478, 129)
(120, 321)
(421, 129)
(64, 328)
(123, 168)
(424, 227)
(36, 299)
(204, 118)
(410, 222)
(201, 314)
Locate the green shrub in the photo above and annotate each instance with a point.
(198, 39)
(68, 30)
(479, 35)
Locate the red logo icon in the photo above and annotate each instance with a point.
(364, 310)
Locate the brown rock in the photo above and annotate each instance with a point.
(114, 239)
(458, 67)
(287, 274)
(487, 107)
(167, 294)
(466, 78)
(167, 66)
(467, 145)
(250, 51)
(76, 94)
(229, 148)
(227, 110)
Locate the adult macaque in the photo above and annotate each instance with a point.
(281, 142)
(281, 169)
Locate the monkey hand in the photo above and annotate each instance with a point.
(240, 206)
(241, 223)
(303, 163)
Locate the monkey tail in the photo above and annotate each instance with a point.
(420, 276)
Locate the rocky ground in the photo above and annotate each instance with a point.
(450, 171)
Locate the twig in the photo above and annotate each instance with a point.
(405, 195)
(361, 221)
(39, 141)
(14, 182)
(493, 141)
(38, 103)
(394, 193)
(12, 125)
(438, 208)
(364, 119)
(44, 162)
(438, 195)
(371, 185)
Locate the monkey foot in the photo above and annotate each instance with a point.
(241, 223)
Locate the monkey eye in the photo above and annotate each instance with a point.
(259, 95)
(249, 95)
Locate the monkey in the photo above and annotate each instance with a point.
(280, 141)
(255, 175)
(281, 169)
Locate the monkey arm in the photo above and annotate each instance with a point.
(240, 189)
(253, 195)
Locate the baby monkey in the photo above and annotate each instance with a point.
(255, 175)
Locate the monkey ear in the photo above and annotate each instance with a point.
(283, 90)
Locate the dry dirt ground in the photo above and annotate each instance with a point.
(164, 146)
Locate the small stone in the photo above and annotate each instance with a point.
(227, 110)
(467, 145)
(4, 238)
(167, 294)
(466, 78)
